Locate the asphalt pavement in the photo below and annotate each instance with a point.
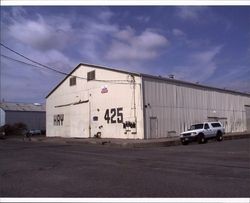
(42, 169)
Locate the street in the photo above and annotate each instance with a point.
(37, 169)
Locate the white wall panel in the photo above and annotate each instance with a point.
(78, 119)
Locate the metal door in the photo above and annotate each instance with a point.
(153, 127)
(248, 117)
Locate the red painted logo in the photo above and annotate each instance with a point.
(104, 90)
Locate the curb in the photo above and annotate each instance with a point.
(140, 144)
(169, 142)
(155, 144)
(163, 143)
(237, 136)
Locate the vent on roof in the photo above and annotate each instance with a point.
(37, 104)
(171, 76)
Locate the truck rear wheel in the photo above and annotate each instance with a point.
(219, 136)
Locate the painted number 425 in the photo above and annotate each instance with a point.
(114, 115)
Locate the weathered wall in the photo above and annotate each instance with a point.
(174, 107)
(78, 118)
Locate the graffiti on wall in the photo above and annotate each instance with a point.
(58, 119)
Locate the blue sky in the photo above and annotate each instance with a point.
(209, 45)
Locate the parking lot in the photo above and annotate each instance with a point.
(37, 169)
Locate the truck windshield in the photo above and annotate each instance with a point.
(196, 126)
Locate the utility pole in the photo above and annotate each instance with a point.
(0, 83)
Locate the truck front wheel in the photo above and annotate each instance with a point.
(201, 139)
(184, 142)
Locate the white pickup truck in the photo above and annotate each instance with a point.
(201, 132)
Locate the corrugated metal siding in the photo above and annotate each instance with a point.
(2, 117)
(248, 117)
(177, 106)
(33, 120)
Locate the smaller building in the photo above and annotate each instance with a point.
(33, 115)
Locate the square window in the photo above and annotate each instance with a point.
(91, 75)
(72, 81)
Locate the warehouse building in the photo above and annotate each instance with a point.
(95, 101)
(33, 115)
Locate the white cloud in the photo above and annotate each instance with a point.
(105, 15)
(62, 43)
(41, 39)
(205, 56)
(237, 78)
(149, 39)
(97, 27)
(25, 83)
(129, 46)
(39, 34)
(143, 19)
(96, 40)
(123, 51)
(18, 12)
(125, 34)
(178, 33)
(199, 66)
(190, 12)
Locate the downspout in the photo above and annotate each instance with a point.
(135, 116)
(89, 114)
(143, 108)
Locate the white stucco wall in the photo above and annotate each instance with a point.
(78, 118)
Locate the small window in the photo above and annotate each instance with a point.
(206, 126)
(72, 81)
(216, 125)
(196, 126)
(91, 75)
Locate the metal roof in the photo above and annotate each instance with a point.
(153, 77)
(10, 106)
(194, 85)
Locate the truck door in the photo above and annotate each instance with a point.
(207, 130)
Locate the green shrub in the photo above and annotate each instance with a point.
(15, 129)
(7, 129)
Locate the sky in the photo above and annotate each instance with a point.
(205, 44)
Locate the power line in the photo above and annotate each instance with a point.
(29, 64)
(19, 61)
(32, 60)
(53, 69)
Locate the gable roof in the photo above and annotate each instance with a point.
(151, 77)
(11, 106)
(94, 66)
